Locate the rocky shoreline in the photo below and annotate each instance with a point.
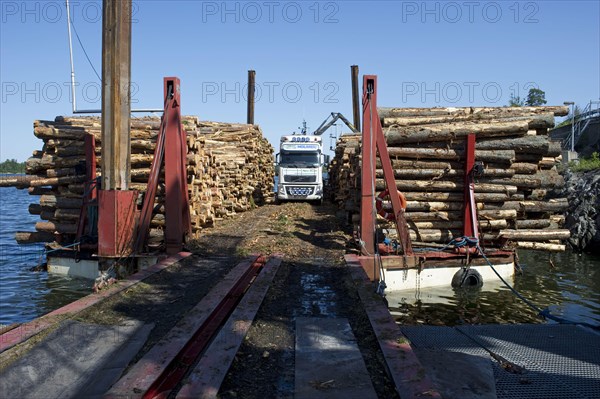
(582, 217)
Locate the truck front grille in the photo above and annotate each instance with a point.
(300, 191)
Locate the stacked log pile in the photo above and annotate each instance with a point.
(229, 170)
(427, 148)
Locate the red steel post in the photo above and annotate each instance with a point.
(116, 214)
(177, 219)
(116, 205)
(367, 212)
(470, 209)
(373, 143)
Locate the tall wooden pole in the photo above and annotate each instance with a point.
(116, 96)
(251, 90)
(116, 204)
(355, 99)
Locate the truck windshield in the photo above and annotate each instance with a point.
(299, 159)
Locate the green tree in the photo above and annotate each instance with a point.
(515, 101)
(535, 97)
(12, 166)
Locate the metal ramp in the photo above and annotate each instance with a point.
(590, 113)
(559, 361)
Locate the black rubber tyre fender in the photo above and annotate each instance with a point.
(467, 278)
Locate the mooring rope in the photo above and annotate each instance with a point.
(46, 252)
(545, 313)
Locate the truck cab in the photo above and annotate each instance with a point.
(300, 168)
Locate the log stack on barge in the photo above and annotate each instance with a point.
(516, 169)
(426, 146)
(229, 170)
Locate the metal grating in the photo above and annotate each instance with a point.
(560, 361)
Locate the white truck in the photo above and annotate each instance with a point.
(300, 164)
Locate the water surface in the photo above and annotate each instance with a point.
(566, 283)
(25, 295)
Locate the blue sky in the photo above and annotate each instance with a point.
(425, 54)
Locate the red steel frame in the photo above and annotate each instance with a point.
(116, 221)
(373, 143)
(171, 146)
(470, 215)
(177, 209)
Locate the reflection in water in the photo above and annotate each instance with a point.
(567, 283)
(25, 295)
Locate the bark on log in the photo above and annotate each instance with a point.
(41, 191)
(66, 214)
(58, 202)
(32, 237)
(542, 179)
(540, 246)
(526, 144)
(443, 235)
(16, 181)
(555, 205)
(35, 209)
(54, 227)
(540, 121)
(435, 185)
(438, 173)
(444, 132)
(458, 224)
(501, 156)
(477, 112)
(413, 206)
(454, 197)
(413, 164)
(524, 168)
(456, 215)
(60, 172)
(533, 224)
(536, 235)
(55, 181)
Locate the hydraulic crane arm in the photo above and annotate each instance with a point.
(335, 116)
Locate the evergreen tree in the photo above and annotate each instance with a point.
(535, 97)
